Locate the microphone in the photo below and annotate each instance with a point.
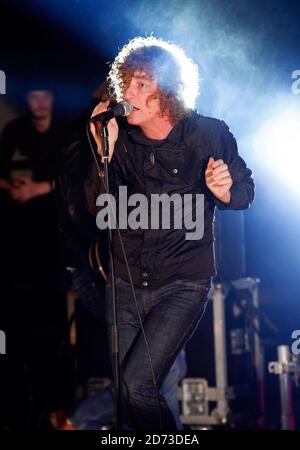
(121, 109)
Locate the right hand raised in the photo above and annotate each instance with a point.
(96, 129)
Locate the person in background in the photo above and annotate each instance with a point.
(33, 297)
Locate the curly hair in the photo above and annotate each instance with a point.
(176, 75)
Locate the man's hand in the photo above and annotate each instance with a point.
(24, 188)
(218, 179)
(5, 184)
(96, 129)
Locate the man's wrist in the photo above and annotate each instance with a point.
(225, 198)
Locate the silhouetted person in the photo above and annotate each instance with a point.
(33, 297)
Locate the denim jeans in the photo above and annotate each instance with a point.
(98, 410)
(170, 314)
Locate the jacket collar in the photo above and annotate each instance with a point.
(174, 137)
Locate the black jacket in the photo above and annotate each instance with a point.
(175, 165)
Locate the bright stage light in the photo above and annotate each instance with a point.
(277, 146)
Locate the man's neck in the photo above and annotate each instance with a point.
(42, 124)
(158, 129)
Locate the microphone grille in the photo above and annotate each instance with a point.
(127, 108)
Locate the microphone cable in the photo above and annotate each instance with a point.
(131, 283)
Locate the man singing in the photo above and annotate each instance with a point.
(169, 149)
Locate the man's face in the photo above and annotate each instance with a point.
(140, 88)
(40, 103)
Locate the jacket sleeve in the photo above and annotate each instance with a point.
(242, 190)
(94, 185)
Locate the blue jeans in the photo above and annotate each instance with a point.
(170, 314)
(98, 410)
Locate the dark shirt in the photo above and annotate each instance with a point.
(30, 240)
(25, 151)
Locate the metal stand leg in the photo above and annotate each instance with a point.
(283, 357)
(284, 367)
(218, 298)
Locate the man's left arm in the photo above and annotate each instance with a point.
(227, 176)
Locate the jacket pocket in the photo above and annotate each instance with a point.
(171, 163)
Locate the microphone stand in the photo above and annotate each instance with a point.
(114, 329)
